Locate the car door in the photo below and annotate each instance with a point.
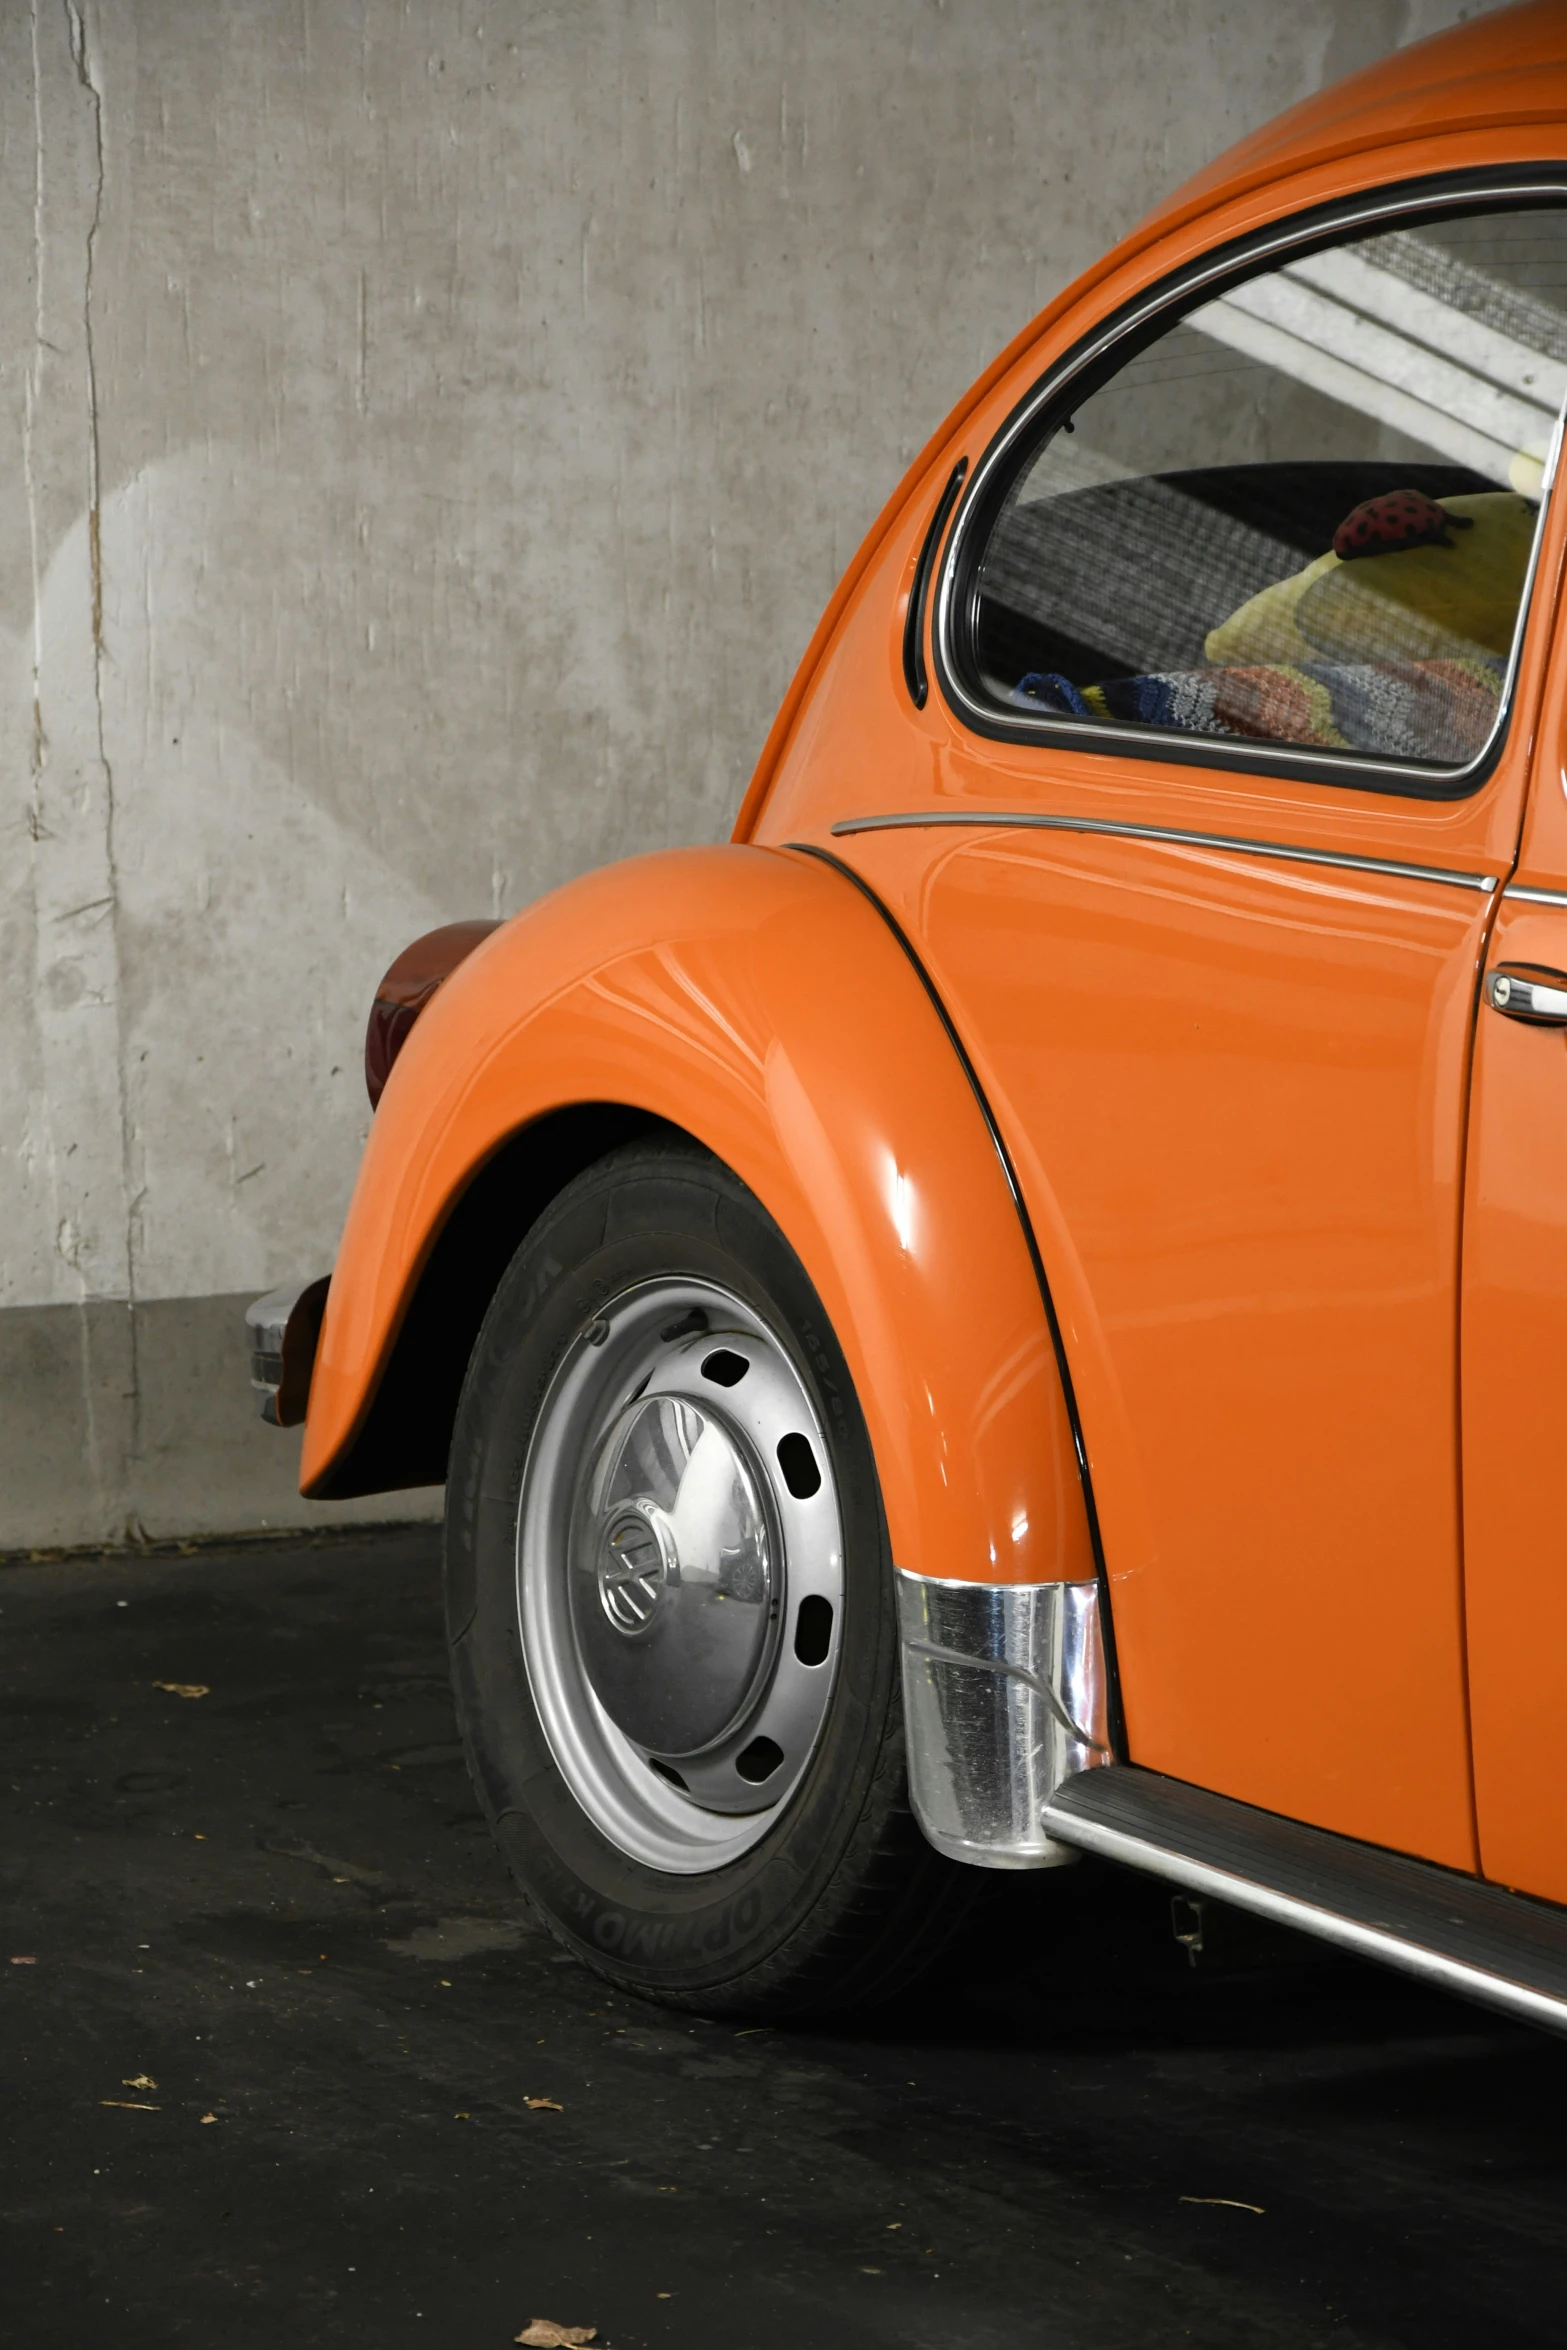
(1515, 1354)
(1229, 634)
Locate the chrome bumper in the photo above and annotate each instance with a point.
(283, 1329)
(1003, 1699)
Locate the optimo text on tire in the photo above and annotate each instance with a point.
(670, 1607)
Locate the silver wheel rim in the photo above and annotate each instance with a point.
(680, 1574)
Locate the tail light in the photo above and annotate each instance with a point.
(407, 988)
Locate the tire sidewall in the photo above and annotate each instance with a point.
(645, 1213)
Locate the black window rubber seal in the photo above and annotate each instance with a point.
(1116, 1717)
(914, 622)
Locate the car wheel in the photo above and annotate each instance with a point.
(670, 1607)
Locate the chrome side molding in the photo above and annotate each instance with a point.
(1003, 1700)
(1480, 1941)
(283, 1329)
(1104, 827)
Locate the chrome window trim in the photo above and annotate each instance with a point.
(1243, 257)
(1023, 820)
(1535, 897)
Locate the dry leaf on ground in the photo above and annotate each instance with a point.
(28, 1961)
(544, 2105)
(185, 1688)
(138, 2081)
(130, 2105)
(209, 2117)
(544, 2334)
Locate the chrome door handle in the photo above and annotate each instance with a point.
(1540, 996)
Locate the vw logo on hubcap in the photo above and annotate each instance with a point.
(634, 1568)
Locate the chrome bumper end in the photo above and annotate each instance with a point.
(283, 1329)
(1003, 1699)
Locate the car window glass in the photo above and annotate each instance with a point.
(1305, 513)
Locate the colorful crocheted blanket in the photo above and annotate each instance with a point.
(1441, 711)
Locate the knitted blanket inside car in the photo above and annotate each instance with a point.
(1439, 710)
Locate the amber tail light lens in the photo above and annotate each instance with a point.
(408, 986)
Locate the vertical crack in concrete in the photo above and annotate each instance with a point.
(82, 60)
(38, 824)
(29, 417)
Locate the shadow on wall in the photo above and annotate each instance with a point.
(233, 962)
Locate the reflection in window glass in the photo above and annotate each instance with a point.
(1305, 513)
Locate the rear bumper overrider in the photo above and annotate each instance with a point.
(1003, 1699)
(282, 1331)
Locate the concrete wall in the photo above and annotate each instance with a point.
(428, 436)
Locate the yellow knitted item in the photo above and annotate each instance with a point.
(1416, 604)
(1264, 627)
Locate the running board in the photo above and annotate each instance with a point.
(1484, 1943)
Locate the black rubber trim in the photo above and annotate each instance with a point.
(1116, 1716)
(1349, 1893)
(914, 620)
(1101, 353)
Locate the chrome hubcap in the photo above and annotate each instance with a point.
(680, 1574)
(673, 1591)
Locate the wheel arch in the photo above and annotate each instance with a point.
(753, 1000)
(404, 1435)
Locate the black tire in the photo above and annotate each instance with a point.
(841, 1900)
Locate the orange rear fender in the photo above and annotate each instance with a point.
(754, 999)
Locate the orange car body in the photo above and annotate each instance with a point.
(1298, 1205)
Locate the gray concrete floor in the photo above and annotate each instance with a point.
(267, 2067)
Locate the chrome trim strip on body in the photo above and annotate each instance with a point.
(1241, 258)
(1363, 1936)
(1004, 1697)
(1535, 897)
(1026, 821)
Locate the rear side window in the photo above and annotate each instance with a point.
(1302, 515)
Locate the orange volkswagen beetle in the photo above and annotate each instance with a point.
(1021, 1306)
